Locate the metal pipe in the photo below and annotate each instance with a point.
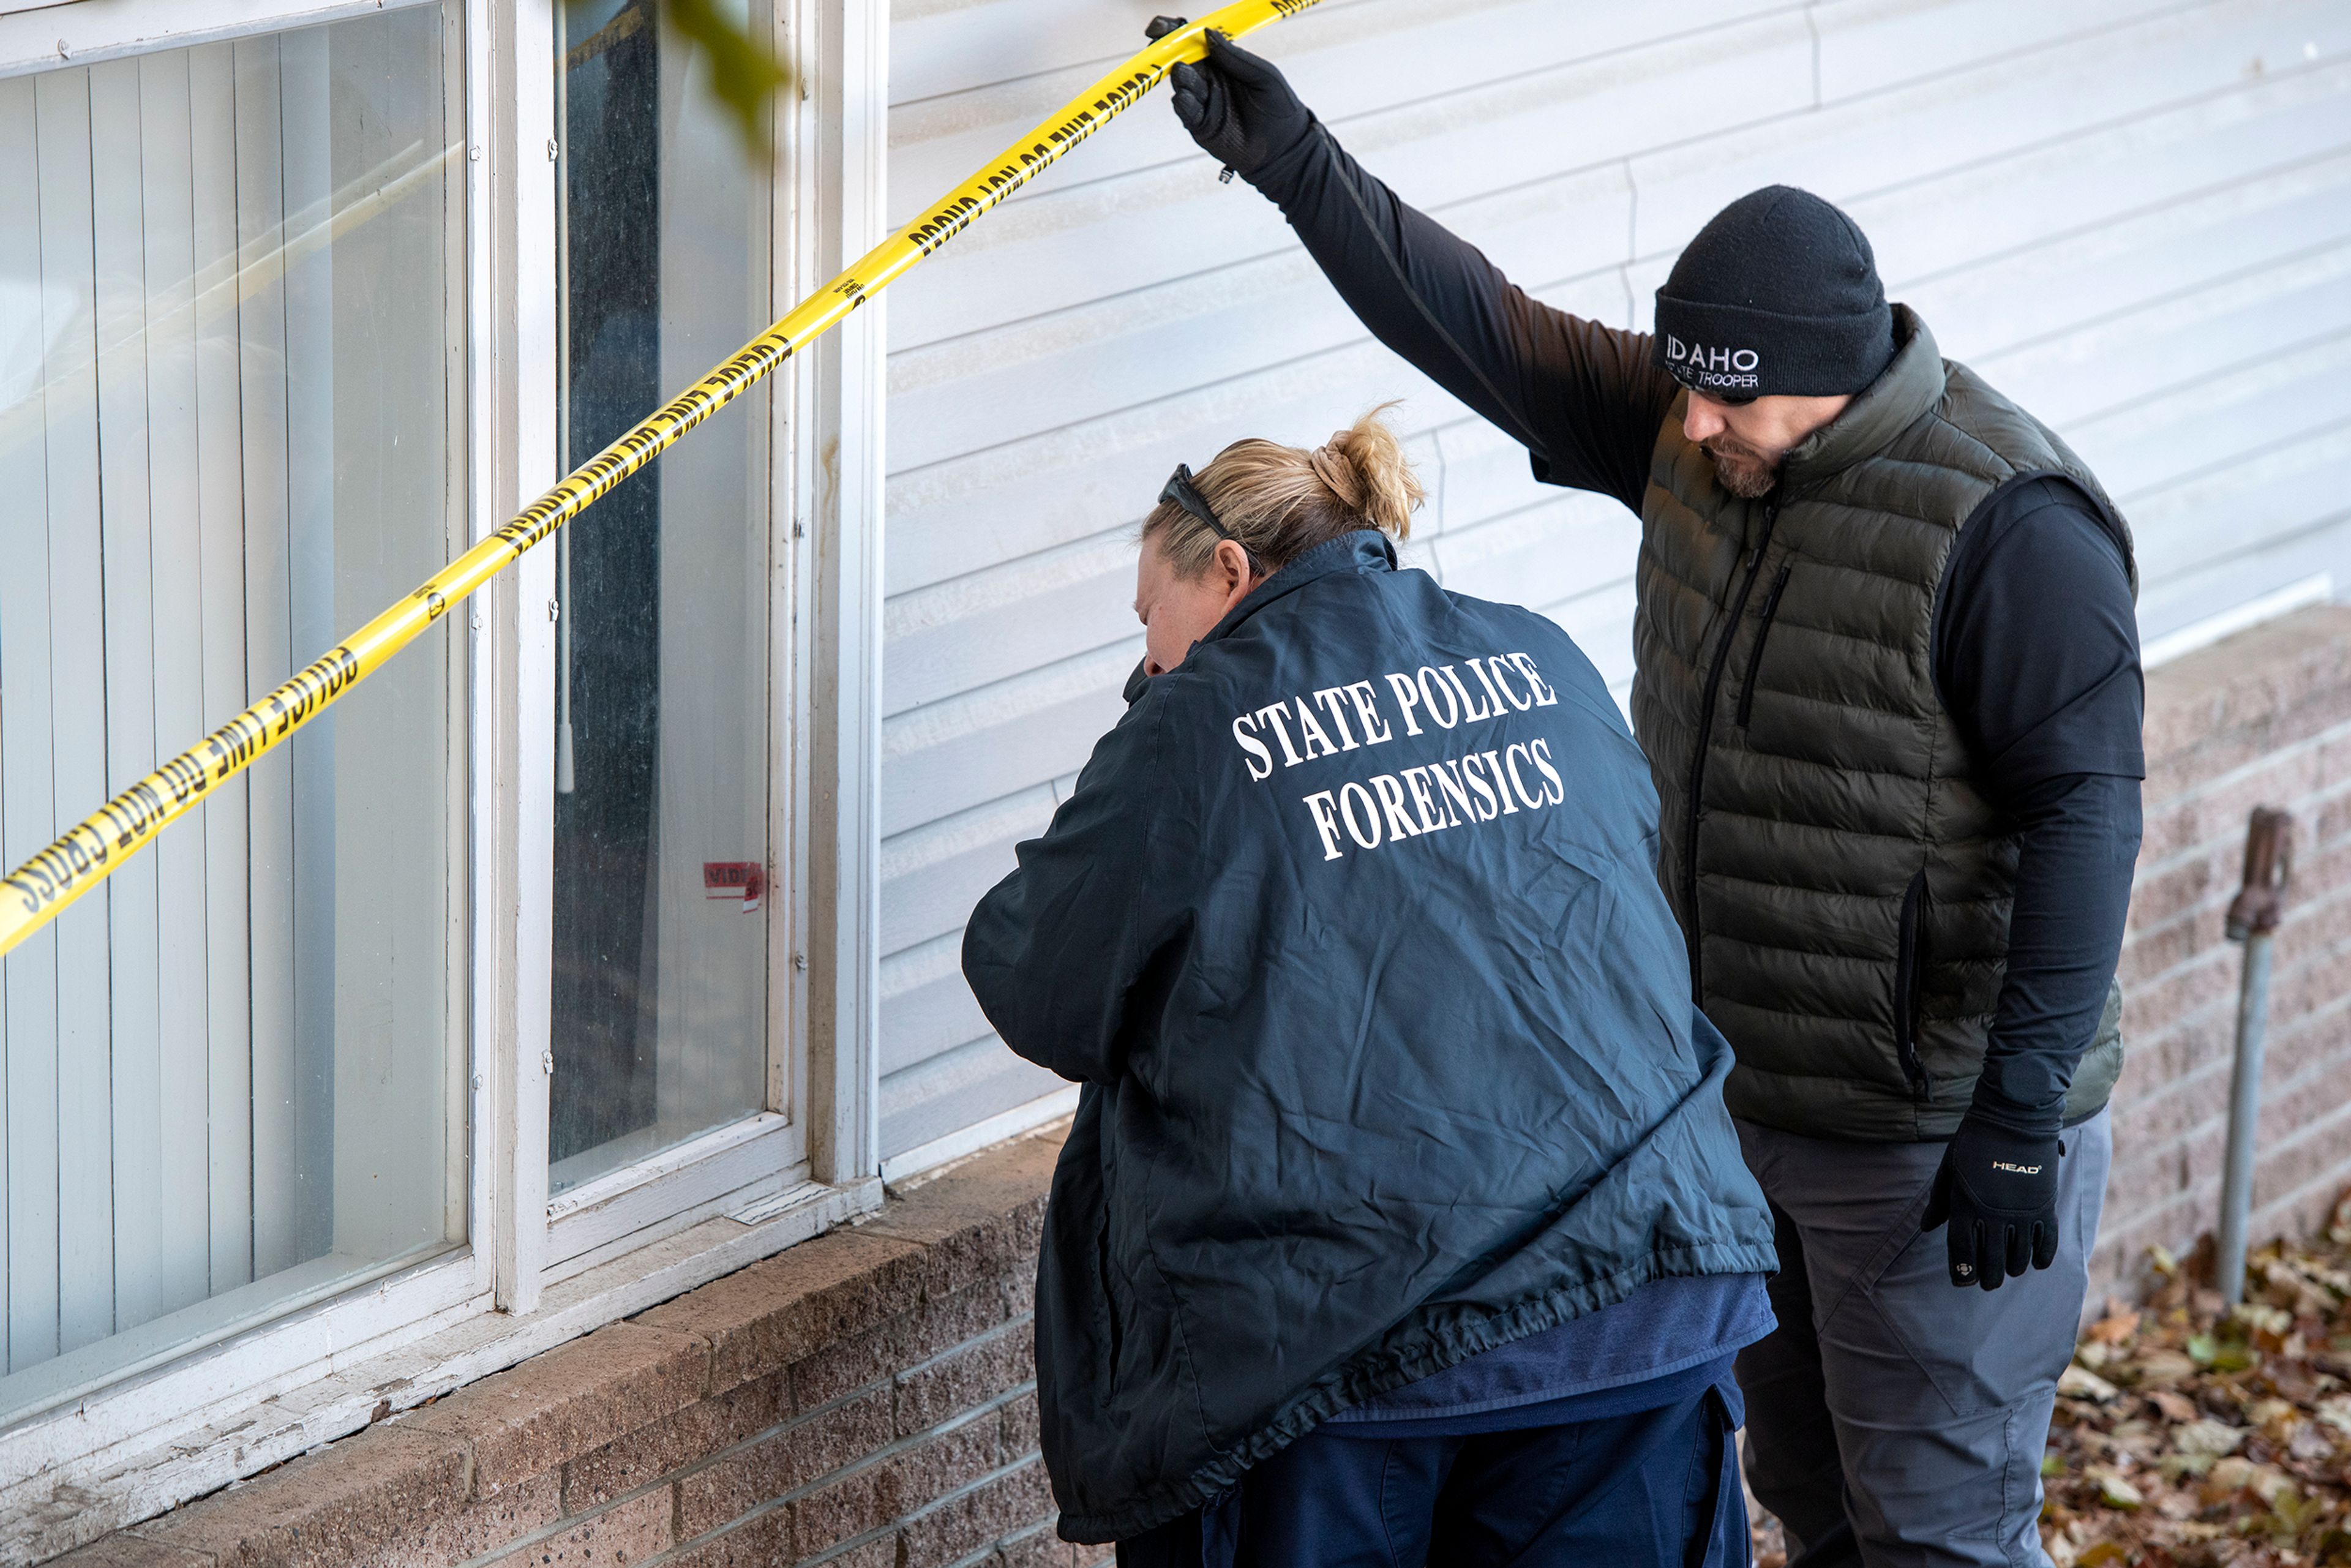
(2253, 918)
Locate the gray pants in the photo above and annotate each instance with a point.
(1887, 1396)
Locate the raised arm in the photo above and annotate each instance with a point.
(1582, 398)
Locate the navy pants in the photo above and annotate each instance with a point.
(1656, 1487)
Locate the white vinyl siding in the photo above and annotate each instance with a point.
(2133, 216)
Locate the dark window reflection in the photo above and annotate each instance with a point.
(606, 976)
(663, 729)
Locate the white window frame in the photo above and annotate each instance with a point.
(533, 1274)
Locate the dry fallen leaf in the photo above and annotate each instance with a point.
(2269, 1483)
(2310, 1443)
(2207, 1438)
(2232, 1474)
(2115, 1491)
(2114, 1328)
(2079, 1383)
(2164, 1366)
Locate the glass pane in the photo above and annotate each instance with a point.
(661, 819)
(231, 334)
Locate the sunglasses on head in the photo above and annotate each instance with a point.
(1180, 489)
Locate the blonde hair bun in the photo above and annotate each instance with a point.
(1278, 502)
(1379, 482)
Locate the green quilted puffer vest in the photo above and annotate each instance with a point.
(1843, 884)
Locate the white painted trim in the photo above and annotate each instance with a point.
(485, 901)
(753, 1203)
(260, 1352)
(634, 1201)
(795, 480)
(629, 1181)
(504, 1241)
(963, 1141)
(50, 33)
(2318, 589)
(843, 57)
(136, 1450)
(789, 452)
(523, 178)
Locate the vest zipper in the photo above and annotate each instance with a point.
(1699, 742)
(1755, 660)
(1909, 992)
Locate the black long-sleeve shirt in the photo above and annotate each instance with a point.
(2036, 637)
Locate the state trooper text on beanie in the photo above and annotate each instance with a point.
(1777, 294)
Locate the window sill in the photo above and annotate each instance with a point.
(140, 1448)
(739, 1171)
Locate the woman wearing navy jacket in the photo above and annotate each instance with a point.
(1402, 1221)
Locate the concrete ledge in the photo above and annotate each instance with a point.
(2219, 707)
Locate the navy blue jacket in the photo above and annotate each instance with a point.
(1351, 930)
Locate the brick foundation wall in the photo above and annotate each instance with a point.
(867, 1399)
(2261, 719)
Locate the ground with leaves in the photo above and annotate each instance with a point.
(2189, 1436)
(2199, 1437)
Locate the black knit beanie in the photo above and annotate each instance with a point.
(1778, 294)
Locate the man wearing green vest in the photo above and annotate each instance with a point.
(1888, 683)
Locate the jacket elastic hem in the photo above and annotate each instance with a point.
(1353, 1384)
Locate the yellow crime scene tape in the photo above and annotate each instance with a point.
(92, 849)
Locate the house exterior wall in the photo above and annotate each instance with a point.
(2133, 216)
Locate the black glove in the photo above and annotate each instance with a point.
(1239, 108)
(1998, 1191)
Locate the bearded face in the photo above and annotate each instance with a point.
(1744, 471)
(1749, 441)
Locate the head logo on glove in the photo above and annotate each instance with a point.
(1997, 1191)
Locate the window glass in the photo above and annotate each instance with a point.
(231, 325)
(661, 808)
